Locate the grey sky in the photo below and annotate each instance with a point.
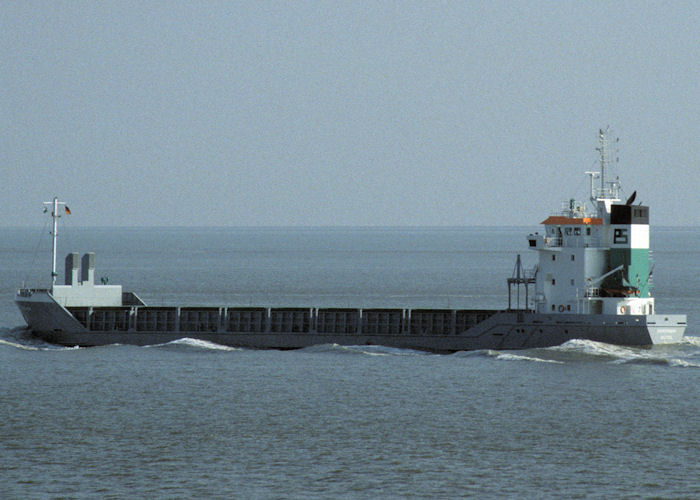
(343, 113)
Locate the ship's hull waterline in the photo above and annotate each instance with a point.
(434, 330)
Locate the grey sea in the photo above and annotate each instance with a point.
(193, 419)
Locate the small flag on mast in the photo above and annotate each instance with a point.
(67, 210)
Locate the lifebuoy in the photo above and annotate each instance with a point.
(622, 309)
(561, 308)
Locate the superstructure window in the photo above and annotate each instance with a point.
(572, 282)
(572, 257)
(554, 281)
(554, 257)
(577, 231)
(588, 231)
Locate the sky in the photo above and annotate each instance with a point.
(344, 112)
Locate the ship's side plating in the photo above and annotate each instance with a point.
(438, 330)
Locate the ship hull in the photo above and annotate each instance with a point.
(434, 330)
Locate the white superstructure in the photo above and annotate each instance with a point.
(594, 257)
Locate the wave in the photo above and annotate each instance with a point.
(197, 344)
(658, 355)
(21, 338)
(658, 360)
(691, 340)
(683, 363)
(682, 355)
(593, 348)
(504, 356)
(367, 350)
(507, 356)
(18, 345)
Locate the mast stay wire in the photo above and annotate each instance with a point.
(32, 266)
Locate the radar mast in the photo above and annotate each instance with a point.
(609, 191)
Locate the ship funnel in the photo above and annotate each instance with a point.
(71, 276)
(88, 269)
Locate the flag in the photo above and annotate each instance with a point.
(67, 210)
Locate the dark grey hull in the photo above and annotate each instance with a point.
(435, 330)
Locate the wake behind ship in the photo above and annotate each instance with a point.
(593, 280)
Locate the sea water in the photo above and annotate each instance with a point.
(195, 419)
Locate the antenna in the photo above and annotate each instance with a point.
(602, 149)
(609, 190)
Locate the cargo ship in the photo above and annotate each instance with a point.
(593, 280)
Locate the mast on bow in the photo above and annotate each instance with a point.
(55, 215)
